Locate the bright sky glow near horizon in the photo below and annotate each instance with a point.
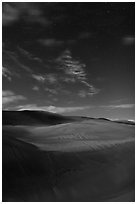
(69, 58)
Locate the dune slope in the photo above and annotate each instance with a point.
(91, 160)
(27, 117)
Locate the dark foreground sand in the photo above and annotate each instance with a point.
(84, 161)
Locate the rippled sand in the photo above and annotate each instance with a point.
(80, 161)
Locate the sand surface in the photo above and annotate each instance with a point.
(80, 161)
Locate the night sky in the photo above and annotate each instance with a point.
(69, 58)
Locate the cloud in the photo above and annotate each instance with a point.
(52, 91)
(75, 71)
(9, 15)
(7, 93)
(68, 79)
(13, 56)
(48, 78)
(70, 66)
(65, 70)
(52, 109)
(39, 78)
(119, 100)
(35, 88)
(82, 93)
(35, 16)
(6, 73)
(51, 42)
(57, 90)
(85, 93)
(91, 89)
(9, 97)
(25, 52)
(128, 40)
(123, 106)
(29, 55)
(51, 78)
(29, 12)
(68, 70)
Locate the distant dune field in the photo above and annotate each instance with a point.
(89, 160)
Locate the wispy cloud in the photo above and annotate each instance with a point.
(9, 96)
(70, 66)
(91, 89)
(45, 78)
(53, 109)
(119, 100)
(29, 55)
(51, 42)
(74, 69)
(52, 91)
(68, 79)
(39, 78)
(128, 40)
(84, 93)
(29, 12)
(10, 14)
(7, 93)
(51, 78)
(35, 88)
(13, 56)
(6, 73)
(123, 106)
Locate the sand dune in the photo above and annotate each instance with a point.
(77, 136)
(33, 118)
(91, 160)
